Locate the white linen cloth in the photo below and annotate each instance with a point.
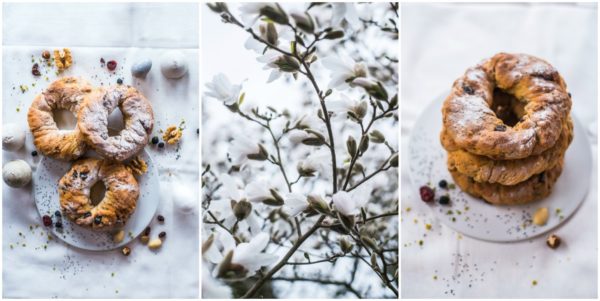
(123, 32)
(439, 41)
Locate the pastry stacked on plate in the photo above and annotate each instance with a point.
(92, 106)
(506, 128)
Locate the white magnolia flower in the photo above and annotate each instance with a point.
(250, 12)
(257, 190)
(241, 147)
(349, 203)
(294, 204)
(213, 288)
(221, 89)
(279, 64)
(233, 190)
(318, 160)
(248, 254)
(285, 34)
(343, 70)
(345, 11)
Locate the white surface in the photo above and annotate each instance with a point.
(439, 42)
(50, 172)
(473, 217)
(36, 267)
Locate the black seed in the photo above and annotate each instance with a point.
(34, 153)
(119, 81)
(443, 184)
(98, 219)
(162, 234)
(161, 144)
(160, 218)
(147, 231)
(468, 90)
(500, 128)
(87, 214)
(58, 224)
(444, 200)
(154, 140)
(57, 213)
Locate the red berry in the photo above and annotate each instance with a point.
(427, 193)
(47, 220)
(111, 65)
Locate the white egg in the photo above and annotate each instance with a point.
(173, 64)
(13, 137)
(141, 67)
(16, 173)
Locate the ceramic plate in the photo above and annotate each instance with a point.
(45, 185)
(475, 218)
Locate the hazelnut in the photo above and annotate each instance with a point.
(46, 54)
(553, 241)
(126, 251)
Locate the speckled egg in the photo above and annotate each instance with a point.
(173, 64)
(13, 137)
(140, 68)
(16, 173)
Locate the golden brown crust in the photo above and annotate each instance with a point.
(473, 126)
(66, 93)
(120, 198)
(535, 188)
(138, 118)
(510, 172)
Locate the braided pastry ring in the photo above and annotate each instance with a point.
(138, 118)
(472, 124)
(120, 198)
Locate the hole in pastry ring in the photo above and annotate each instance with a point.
(510, 172)
(472, 124)
(535, 188)
(138, 118)
(120, 198)
(67, 93)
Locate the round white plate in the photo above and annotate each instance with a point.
(475, 218)
(45, 185)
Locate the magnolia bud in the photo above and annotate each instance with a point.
(351, 145)
(261, 155)
(345, 245)
(271, 34)
(275, 13)
(224, 264)
(364, 144)
(242, 209)
(304, 22)
(208, 243)
(317, 203)
(305, 171)
(346, 221)
(394, 160)
(361, 109)
(277, 196)
(287, 63)
(372, 87)
(376, 136)
(217, 7)
(332, 35)
(374, 261)
(369, 242)
(394, 101)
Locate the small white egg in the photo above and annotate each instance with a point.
(13, 137)
(173, 64)
(140, 68)
(16, 173)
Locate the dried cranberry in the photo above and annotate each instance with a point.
(111, 65)
(427, 193)
(47, 220)
(500, 128)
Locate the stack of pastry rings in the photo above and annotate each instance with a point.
(92, 106)
(506, 128)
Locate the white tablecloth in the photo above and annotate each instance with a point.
(439, 42)
(122, 32)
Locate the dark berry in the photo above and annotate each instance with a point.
(468, 90)
(569, 94)
(87, 214)
(444, 200)
(57, 213)
(98, 220)
(34, 153)
(443, 184)
(119, 81)
(58, 224)
(197, 131)
(147, 231)
(427, 193)
(154, 140)
(111, 65)
(162, 234)
(47, 220)
(161, 144)
(160, 218)
(500, 128)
